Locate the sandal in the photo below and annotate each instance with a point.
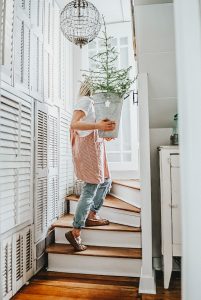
(96, 222)
(75, 242)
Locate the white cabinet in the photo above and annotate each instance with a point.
(170, 208)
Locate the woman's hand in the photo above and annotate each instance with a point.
(106, 125)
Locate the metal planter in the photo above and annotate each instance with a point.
(108, 106)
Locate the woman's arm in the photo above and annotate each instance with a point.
(76, 124)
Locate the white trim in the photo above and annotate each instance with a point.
(106, 238)
(94, 265)
(147, 279)
(147, 284)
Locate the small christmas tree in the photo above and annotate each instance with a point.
(106, 77)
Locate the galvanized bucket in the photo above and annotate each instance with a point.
(108, 106)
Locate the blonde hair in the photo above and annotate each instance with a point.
(85, 88)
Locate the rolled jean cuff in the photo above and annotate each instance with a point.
(94, 210)
(78, 225)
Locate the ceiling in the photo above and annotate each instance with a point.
(147, 2)
(113, 10)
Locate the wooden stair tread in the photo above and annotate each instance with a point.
(66, 222)
(112, 202)
(131, 183)
(96, 251)
(77, 277)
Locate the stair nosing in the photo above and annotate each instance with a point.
(133, 229)
(134, 209)
(85, 253)
(126, 185)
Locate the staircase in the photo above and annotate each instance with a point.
(114, 249)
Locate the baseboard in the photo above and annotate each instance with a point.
(147, 284)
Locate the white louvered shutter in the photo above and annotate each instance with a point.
(16, 154)
(18, 261)
(36, 51)
(6, 269)
(41, 167)
(62, 70)
(66, 165)
(70, 171)
(56, 51)
(66, 71)
(22, 257)
(53, 161)
(7, 41)
(28, 253)
(48, 50)
(22, 26)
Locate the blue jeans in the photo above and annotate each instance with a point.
(91, 199)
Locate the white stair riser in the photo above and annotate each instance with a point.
(83, 264)
(103, 238)
(114, 215)
(127, 194)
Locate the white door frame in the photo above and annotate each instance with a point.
(188, 47)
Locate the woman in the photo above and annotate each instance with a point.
(90, 164)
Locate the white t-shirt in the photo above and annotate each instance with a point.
(85, 104)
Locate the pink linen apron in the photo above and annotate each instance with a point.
(89, 157)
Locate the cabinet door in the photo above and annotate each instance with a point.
(6, 42)
(176, 205)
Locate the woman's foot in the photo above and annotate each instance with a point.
(94, 220)
(75, 241)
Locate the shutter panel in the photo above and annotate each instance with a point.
(62, 70)
(52, 198)
(26, 57)
(7, 41)
(22, 257)
(36, 56)
(46, 168)
(56, 49)
(28, 253)
(66, 71)
(18, 261)
(70, 170)
(36, 75)
(16, 156)
(66, 174)
(18, 50)
(6, 269)
(1, 29)
(22, 45)
(41, 168)
(48, 51)
(41, 208)
(53, 164)
(48, 82)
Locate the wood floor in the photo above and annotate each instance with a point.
(50, 285)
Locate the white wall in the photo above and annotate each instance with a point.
(156, 57)
(188, 38)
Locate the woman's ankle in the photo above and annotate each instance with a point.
(76, 232)
(92, 215)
